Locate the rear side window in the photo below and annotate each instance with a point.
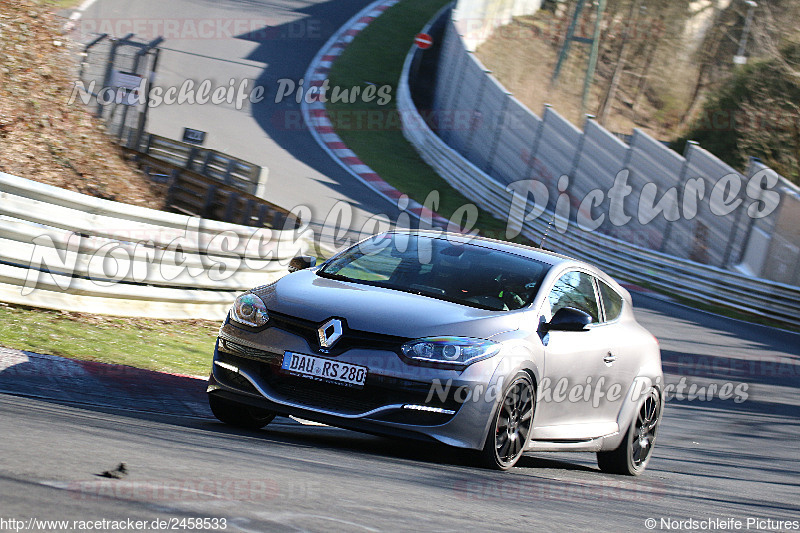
(574, 289)
(612, 301)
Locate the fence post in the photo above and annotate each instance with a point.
(579, 150)
(174, 185)
(476, 113)
(262, 215)
(687, 153)
(751, 170)
(152, 45)
(148, 144)
(726, 258)
(230, 206)
(248, 209)
(536, 141)
(190, 158)
(498, 132)
(208, 203)
(112, 53)
(125, 107)
(227, 178)
(455, 95)
(206, 160)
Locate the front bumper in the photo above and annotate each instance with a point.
(398, 398)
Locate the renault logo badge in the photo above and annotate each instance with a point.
(329, 333)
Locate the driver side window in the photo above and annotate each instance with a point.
(574, 289)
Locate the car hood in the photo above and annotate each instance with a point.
(305, 295)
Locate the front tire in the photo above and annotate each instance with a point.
(238, 414)
(632, 455)
(511, 425)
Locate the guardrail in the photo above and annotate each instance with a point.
(698, 282)
(64, 250)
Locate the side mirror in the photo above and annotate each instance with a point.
(568, 319)
(301, 262)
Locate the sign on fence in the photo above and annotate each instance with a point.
(130, 88)
(126, 80)
(193, 136)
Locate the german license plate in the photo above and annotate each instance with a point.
(322, 369)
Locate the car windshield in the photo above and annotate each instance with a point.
(468, 274)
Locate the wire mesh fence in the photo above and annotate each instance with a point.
(115, 78)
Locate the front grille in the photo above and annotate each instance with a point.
(351, 338)
(378, 391)
(417, 418)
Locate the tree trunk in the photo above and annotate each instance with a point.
(710, 46)
(611, 93)
(648, 62)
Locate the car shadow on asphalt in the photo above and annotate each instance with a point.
(389, 449)
(285, 432)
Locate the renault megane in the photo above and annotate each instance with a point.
(475, 343)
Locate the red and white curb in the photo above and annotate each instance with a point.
(53, 378)
(91, 383)
(321, 127)
(76, 15)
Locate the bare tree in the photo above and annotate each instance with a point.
(651, 46)
(708, 55)
(605, 106)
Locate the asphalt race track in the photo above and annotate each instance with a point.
(261, 42)
(714, 459)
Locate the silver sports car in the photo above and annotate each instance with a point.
(472, 342)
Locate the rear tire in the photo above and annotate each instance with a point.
(630, 458)
(511, 425)
(238, 414)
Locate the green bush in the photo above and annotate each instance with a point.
(755, 113)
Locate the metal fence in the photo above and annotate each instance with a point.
(206, 183)
(220, 167)
(482, 121)
(116, 74)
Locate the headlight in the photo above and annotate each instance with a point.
(457, 350)
(249, 309)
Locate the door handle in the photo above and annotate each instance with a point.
(610, 358)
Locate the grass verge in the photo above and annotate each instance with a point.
(179, 346)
